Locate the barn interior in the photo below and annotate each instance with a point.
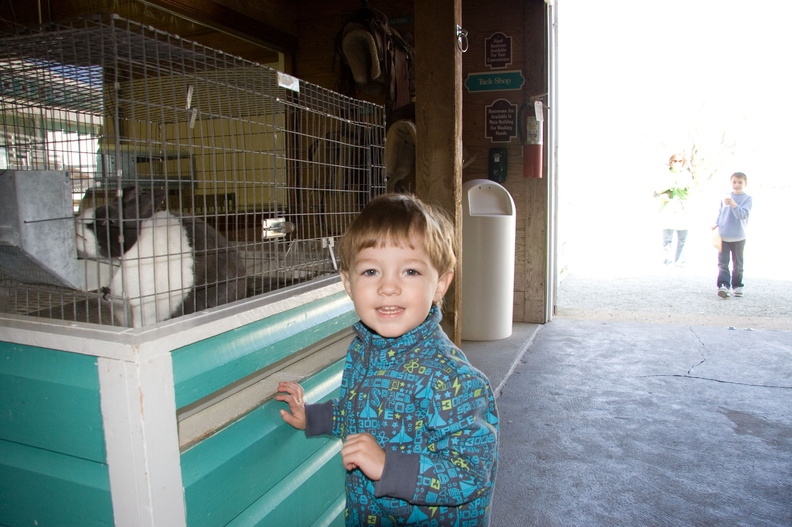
(230, 145)
(142, 141)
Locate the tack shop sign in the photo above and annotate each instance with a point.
(495, 81)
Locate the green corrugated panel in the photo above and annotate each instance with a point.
(333, 517)
(50, 399)
(233, 470)
(308, 496)
(209, 365)
(39, 487)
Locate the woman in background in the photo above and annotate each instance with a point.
(672, 191)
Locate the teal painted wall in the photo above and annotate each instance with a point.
(255, 471)
(212, 364)
(53, 468)
(258, 470)
(261, 471)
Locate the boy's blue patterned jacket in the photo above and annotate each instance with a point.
(435, 416)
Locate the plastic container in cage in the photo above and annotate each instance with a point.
(488, 244)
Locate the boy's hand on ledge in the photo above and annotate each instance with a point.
(293, 396)
(362, 451)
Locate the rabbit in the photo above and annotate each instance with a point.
(170, 264)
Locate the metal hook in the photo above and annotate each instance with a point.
(462, 38)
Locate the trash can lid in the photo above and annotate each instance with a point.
(482, 197)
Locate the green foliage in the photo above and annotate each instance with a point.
(678, 192)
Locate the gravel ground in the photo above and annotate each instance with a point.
(640, 289)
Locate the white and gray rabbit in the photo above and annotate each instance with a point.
(170, 265)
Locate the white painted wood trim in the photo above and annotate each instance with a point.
(141, 434)
(138, 344)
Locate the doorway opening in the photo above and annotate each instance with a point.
(637, 84)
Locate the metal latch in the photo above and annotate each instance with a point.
(275, 227)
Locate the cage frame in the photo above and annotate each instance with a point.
(154, 108)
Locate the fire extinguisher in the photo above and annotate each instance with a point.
(530, 121)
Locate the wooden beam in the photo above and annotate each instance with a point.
(234, 22)
(537, 192)
(438, 108)
(202, 21)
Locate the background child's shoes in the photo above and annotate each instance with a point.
(723, 291)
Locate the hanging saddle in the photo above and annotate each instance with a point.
(376, 60)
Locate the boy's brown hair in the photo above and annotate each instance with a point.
(391, 219)
(740, 175)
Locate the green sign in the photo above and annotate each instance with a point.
(497, 81)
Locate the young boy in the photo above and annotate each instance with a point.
(418, 422)
(732, 220)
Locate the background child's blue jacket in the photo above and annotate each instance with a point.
(732, 221)
(435, 416)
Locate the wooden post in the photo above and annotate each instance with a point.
(438, 108)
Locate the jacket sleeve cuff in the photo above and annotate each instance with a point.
(319, 419)
(399, 476)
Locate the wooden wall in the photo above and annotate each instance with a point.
(320, 22)
(523, 21)
(257, 33)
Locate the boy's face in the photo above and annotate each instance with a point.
(393, 288)
(738, 185)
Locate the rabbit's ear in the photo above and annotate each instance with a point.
(142, 205)
(158, 199)
(129, 202)
(150, 202)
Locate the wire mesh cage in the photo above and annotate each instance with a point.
(144, 177)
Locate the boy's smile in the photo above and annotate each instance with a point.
(393, 288)
(738, 185)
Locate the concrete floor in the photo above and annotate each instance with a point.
(630, 424)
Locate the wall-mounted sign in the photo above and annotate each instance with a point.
(498, 51)
(501, 121)
(500, 81)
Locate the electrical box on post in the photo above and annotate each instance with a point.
(498, 164)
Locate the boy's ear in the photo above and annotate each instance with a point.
(345, 281)
(443, 283)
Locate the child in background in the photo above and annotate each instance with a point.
(419, 424)
(732, 220)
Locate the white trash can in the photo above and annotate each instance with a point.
(488, 245)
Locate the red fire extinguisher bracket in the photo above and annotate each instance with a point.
(531, 132)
